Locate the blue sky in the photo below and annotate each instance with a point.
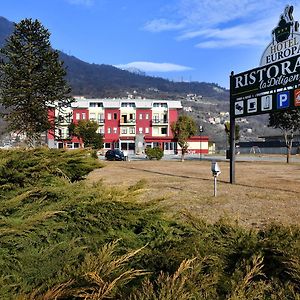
(190, 40)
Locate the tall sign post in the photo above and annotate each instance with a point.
(274, 85)
(232, 134)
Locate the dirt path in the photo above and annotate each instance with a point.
(265, 192)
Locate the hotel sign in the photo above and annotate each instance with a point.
(279, 51)
(273, 85)
(274, 76)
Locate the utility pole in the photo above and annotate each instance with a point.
(200, 130)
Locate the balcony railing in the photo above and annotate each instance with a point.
(127, 122)
(159, 121)
(99, 121)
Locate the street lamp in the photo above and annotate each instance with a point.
(200, 130)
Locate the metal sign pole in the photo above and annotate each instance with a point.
(232, 134)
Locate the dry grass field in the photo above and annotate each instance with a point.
(264, 192)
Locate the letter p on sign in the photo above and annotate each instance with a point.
(283, 100)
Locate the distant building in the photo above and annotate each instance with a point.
(217, 120)
(211, 120)
(187, 109)
(224, 113)
(270, 145)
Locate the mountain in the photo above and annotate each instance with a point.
(6, 28)
(93, 80)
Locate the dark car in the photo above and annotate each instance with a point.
(114, 154)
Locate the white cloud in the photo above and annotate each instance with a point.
(207, 13)
(240, 35)
(159, 25)
(219, 23)
(81, 2)
(154, 67)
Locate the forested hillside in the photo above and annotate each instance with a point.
(101, 80)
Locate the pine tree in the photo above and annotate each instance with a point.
(32, 80)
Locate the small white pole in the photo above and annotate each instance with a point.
(215, 169)
(215, 186)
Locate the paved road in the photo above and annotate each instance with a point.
(243, 157)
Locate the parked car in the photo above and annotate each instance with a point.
(114, 154)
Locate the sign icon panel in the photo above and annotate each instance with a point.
(283, 100)
(252, 105)
(239, 108)
(297, 97)
(266, 102)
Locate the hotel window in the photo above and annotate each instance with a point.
(101, 130)
(141, 116)
(115, 129)
(115, 116)
(100, 118)
(163, 130)
(95, 104)
(107, 145)
(127, 104)
(132, 117)
(155, 131)
(77, 116)
(155, 104)
(146, 130)
(92, 116)
(108, 130)
(83, 116)
(132, 130)
(140, 130)
(147, 116)
(155, 118)
(109, 116)
(124, 130)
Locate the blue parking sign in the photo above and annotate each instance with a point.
(283, 100)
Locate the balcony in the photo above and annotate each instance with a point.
(127, 122)
(101, 121)
(157, 121)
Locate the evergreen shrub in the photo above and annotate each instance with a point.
(154, 153)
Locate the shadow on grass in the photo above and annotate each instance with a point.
(206, 179)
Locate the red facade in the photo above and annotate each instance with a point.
(80, 114)
(51, 119)
(112, 125)
(144, 121)
(173, 116)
